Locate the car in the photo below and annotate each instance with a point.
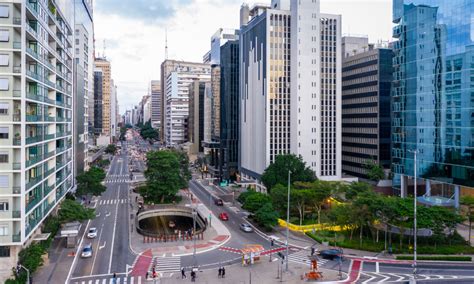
(331, 254)
(246, 228)
(87, 251)
(218, 202)
(223, 216)
(92, 233)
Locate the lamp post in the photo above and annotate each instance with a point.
(415, 152)
(288, 221)
(194, 236)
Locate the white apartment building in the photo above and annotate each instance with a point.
(35, 120)
(176, 93)
(290, 87)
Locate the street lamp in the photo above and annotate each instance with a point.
(288, 221)
(415, 152)
(194, 236)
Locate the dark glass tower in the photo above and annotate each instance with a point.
(433, 96)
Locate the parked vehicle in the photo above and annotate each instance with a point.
(331, 254)
(219, 202)
(246, 228)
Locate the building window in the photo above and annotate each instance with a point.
(4, 132)
(3, 158)
(4, 11)
(4, 251)
(4, 58)
(4, 181)
(4, 108)
(4, 84)
(3, 205)
(4, 35)
(3, 230)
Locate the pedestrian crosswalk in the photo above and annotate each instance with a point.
(302, 258)
(112, 201)
(167, 264)
(122, 180)
(384, 277)
(108, 279)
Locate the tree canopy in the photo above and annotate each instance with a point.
(73, 211)
(148, 132)
(277, 172)
(89, 182)
(111, 149)
(163, 176)
(375, 172)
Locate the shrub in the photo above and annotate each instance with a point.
(244, 195)
(441, 258)
(31, 256)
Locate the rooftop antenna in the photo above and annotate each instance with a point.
(166, 43)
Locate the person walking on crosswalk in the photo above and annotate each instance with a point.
(183, 273)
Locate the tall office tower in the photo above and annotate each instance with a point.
(113, 111)
(104, 65)
(147, 109)
(83, 81)
(433, 99)
(366, 80)
(230, 110)
(36, 124)
(155, 93)
(98, 83)
(301, 46)
(197, 93)
(176, 76)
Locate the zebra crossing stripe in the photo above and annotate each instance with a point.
(168, 264)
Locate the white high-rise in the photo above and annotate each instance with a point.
(290, 87)
(36, 108)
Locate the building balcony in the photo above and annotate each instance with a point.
(32, 7)
(34, 139)
(32, 53)
(33, 203)
(49, 136)
(34, 160)
(49, 154)
(16, 141)
(16, 166)
(33, 118)
(34, 96)
(16, 190)
(47, 207)
(48, 189)
(17, 45)
(16, 214)
(50, 118)
(16, 93)
(16, 21)
(60, 119)
(16, 238)
(33, 75)
(32, 223)
(32, 182)
(48, 82)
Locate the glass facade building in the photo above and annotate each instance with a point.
(433, 95)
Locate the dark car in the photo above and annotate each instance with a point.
(219, 202)
(331, 254)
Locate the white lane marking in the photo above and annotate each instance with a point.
(139, 280)
(98, 243)
(368, 275)
(113, 234)
(103, 246)
(77, 253)
(104, 281)
(90, 281)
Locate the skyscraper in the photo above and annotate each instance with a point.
(156, 101)
(432, 98)
(107, 85)
(36, 85)
(366, 81)
(290, 41)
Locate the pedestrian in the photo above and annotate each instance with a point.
(146, 275)
(114, 278)
(220, 273)
(193, 276)
(183, 273)
(223, 272)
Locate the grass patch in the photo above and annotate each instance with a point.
(441, 258)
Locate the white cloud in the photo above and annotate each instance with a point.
(136, 47)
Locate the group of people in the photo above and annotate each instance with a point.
(193, 274)
(221, 272)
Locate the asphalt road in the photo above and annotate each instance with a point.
(111, 251)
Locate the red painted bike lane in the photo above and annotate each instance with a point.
(354, 272)
(142, 264)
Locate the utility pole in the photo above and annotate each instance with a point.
(288, 221)
(415, 152)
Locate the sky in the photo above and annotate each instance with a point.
(134, 33)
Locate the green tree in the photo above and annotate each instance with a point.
(468, 202)
(31, 257)
(111, 149)
(184, 166)
(73, 211)
(375, 172)
(356, 188)
(279, 195)
(148, 132)
(267, 216)
(318, 195)
(277, 172)
(244, 195)
(163, 176)
(89, 182)
(256, 201)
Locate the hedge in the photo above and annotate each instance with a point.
(441, 258)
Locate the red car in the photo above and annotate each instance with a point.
(224, 217)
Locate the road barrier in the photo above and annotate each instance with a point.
(171, 238)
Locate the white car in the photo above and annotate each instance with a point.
(87, 251)
(92, 233)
